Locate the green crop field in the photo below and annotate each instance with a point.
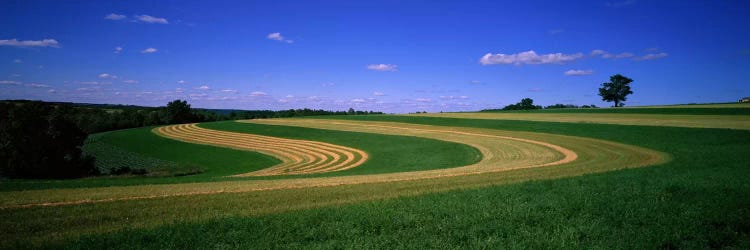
(655, 178)
(647, 119)
(694, 109)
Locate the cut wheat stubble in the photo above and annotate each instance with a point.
(297, 156)
(502, 151)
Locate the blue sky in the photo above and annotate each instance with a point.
(392, 56)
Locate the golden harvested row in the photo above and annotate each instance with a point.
(499, 152)
(688, 121)
(297, 156)
(508, 156)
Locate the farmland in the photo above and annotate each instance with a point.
(616, 124)
(692, 121)
(535, 180)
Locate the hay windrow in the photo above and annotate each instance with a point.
(297, 156)
(505, 153)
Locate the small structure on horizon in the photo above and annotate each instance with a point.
(744, 100)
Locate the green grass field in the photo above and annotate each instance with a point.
(393, 154)
(697, 199)
(645, 119)
(388, 153)
(693, 109)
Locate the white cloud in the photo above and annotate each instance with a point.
(233, 91)
(450, 97)
(179, 90)
(198, 95)
(180, 81)
(118, 49)
(528, 57)
(37, 85)
(598, 52)
(618, 56)
(107, 76)
(17, 61)
(52, 91)
(88, 89)
(137, 18)
(275, 36)
(358, 100)
(94, 83)
(383, 67)
(378, 93)
(114, 16)
(578, 72)
(423, 100)
(129, 81)
(9, 82)
(653, 56)
(151, 19)
(258, 93)
(475, 82)
(204, 87)
(278, 37)
(328, 84)
(289, 96)
(30, 43)
(149, 50)
(607, 55)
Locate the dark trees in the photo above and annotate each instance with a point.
(524, 104)
(44, 140)
(178, 111)
(616, 90)
(39, 140)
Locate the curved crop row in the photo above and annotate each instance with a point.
(297, 156)
(506, 155)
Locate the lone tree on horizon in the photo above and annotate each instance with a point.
(616, 90)
(178, 111)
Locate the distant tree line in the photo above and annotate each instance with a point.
(259, 114)
(570, 106)
(95, 118)
(528, 104)
(616, 90)
(43, 140)
(524, 104)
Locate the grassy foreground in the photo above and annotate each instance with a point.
(698, 200)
